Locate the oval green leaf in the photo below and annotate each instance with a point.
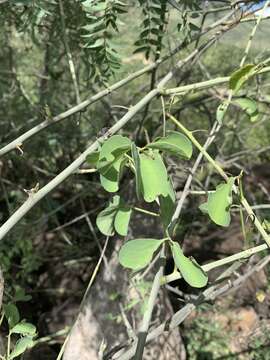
(175, 143)
(136, 254)
(190, 270)
(110, 178)
(111, 161)
(105, 219)
(218, 204)
(154, 176)
(167, 205)
(12, 314)
(249, 106)
(240, 76)
(115, 217)
(111, 151)
(221, 111)
(24, 328)
(121, 220)
(21, 346)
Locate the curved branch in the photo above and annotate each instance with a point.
(84, 104)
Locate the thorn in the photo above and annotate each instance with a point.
(32, 191)
(18, 147)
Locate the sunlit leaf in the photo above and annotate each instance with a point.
(111, 161)
(190, 270)
(221, 111)
(115, 217)
(111, 150)
(24, 328)
(121, 220)
(175, 143)
(266, 225)
(219, 202)
(136, 254)
(111, 177)
(240, 76)
(105, 219)
(21, 346)
(249, 106)
(154, 176)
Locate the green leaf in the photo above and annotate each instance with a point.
(249, 106)
(136, 254)
(175, 143)
(110, 179)
(121, 220)
(24, 328)
(21, 346)
(105, 219)
(218, 204)
(190, 270)
(115, 217)
(204, 208)
(12, 314)
(266, 225)
(111, 151)
(136, 159)
(93, 158)
(221, 111)
(240, 76)
(167, 205)
(20, 295)
(111, 161)
(154, 176)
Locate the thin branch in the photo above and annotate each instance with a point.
(219, 169)
(84, 104)
(210, 293)
(182, 90)
(215, 264)
(68, 52)
(150, 307)
(253, 32)
(36, 197)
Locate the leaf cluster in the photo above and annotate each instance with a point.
(102, 19)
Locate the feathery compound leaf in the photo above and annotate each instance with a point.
(218, 204)
(154, 176)
(102, 23)
(136, 254)
(190, 270)
(175, 143)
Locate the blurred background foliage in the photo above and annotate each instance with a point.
(108, 40)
